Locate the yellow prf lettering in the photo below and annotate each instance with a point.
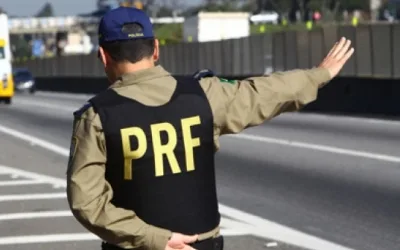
(130, 154)
(167, 149)
(189, 141)
(160, 149)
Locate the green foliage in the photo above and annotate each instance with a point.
(349, 5)
(282, 6)
(22, 48)
(169, 33)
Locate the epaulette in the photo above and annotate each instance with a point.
(203, 73)
(83, 109)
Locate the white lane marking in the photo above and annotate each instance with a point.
(20, 183)
(73, 96)
(386, 121)
(302, 239)
(226, 224)
(25, 197)
(46, 105)
(35, 215)
(39, 142)
(4, 172)
(56, 182)
(275, 231)
(318, 147)
(49, 238)
(271, 244)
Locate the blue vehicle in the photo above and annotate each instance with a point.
(24, 80)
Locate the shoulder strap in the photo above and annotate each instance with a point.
(78, 113)
(187, 85)
(203, 73)
(107, 98)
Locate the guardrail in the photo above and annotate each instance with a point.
(377, 49)
(251, 55)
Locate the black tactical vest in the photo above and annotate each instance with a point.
(160, 160)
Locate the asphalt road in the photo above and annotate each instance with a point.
(307, 180)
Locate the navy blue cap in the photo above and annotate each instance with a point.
(110, 27)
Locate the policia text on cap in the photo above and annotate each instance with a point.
(141, 168)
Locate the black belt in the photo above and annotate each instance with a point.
(208, 244)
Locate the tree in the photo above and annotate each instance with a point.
(349, 5)
(21, 48)
(281, 6)
(285, 8)
(331, 8)
(352, 5)
(46, 11)
(222, 5)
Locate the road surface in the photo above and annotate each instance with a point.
(301, 181)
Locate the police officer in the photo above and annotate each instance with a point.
(141, 168)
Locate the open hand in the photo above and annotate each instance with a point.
(337, 57)
(181, 241)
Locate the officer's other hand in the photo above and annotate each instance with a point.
(337, 57)
(181, 241)
(185, 247)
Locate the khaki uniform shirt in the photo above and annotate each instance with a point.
(236, 105)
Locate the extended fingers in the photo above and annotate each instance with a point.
(338, 48)
(343, 50)
(347, 56)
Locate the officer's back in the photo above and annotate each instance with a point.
(165, 147)
(141, 169)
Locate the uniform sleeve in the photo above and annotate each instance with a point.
(89, 194)
(237, 105)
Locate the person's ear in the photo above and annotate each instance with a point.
(156, 54)
(103, 56)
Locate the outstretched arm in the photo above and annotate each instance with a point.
(238, 105)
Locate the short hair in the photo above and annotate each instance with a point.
(133, 50)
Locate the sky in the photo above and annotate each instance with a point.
(61, 7)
